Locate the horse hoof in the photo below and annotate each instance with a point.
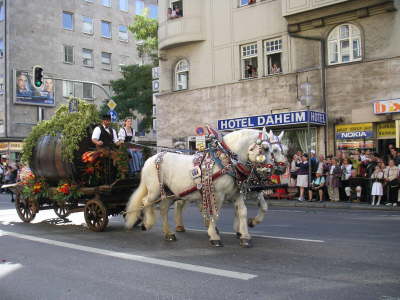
(180, 229)
(238, 235)
(170, 237)
(143, 227)
(250, 222)
(245, 243)
(138, 221)
(216, 243)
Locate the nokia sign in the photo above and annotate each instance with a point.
(354, 135)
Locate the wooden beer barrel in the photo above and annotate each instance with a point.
(47, 159)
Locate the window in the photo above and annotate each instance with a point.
(181, 75)
(153, 11)
(123, 33)
(68, 20)
(139, 7)
(68, 54)
(106, 60)
(2, 16)
(106, 29)
(123, 61)
(106, 3)
(87, 57)
(123, 5)
(249, 62)
(273, 53)
(344, 44)
(175, 9)
(246, 2)
(87, 90)
(87, 25)
(68, 88)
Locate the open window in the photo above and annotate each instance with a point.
(249, 61)
(175, 9)
(273, 56)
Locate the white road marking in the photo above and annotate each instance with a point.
(264, 236)
(7, 268)
(138, 258)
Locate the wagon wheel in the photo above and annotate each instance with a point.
(96, 215)
(62, 211)
(26, 209)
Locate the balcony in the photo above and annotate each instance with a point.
(188, 28)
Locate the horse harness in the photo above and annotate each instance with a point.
(203, 164)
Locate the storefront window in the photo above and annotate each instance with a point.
(351, 137)
(296, 139)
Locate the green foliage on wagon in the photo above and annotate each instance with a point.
(71, 126)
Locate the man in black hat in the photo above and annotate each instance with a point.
(103, 135)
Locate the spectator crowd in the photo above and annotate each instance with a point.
(356, 176)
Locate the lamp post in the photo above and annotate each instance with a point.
(306, 100)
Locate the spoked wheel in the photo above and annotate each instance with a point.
(26, 209)
(96, 215)
(62, 211)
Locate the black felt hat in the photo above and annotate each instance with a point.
(106, 117)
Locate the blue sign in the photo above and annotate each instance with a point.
(114, 115)
(354, 135)
(286, 118)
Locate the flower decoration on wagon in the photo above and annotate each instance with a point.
(66, 191)
(93, 170)
(34, 189)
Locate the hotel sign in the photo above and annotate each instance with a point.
(286, 118)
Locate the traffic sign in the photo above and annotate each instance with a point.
(114, 115)
(200, 131)
(111, 104)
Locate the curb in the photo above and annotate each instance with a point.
(334, 205)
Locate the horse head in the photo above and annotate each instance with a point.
(278, 149)
(250, 145)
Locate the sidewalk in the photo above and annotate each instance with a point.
(327, 204)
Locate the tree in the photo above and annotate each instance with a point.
(134, 92)
(145, 31)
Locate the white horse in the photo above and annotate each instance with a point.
(175, 171)
(275, 157)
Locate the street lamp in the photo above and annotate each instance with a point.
(306, 100)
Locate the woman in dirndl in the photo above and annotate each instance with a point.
(377, 187)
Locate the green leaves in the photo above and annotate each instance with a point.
(133, 92)
(71, 126)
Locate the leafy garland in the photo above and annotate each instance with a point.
(71, 126)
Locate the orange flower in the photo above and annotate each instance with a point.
(89, 170)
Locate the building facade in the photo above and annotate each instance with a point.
(224, 61)
(83, 40)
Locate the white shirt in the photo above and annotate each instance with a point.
(348, 171)
(122, 135)
(97, 131)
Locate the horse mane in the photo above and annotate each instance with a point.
(240, 140)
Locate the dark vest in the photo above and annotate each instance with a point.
(128, 138)
(107, 138)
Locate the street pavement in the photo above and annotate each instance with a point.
(298, 253)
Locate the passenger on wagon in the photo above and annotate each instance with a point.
(103, 135)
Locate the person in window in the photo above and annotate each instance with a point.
(249, 71)
(275, 69)
(178, 12)
(23, 88)
(103, 135)
(169, 13)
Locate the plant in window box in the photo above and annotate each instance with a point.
(66, 192)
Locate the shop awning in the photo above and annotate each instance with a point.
(279, 119)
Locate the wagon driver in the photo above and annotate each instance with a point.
(103, 135)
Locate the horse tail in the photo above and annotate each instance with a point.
(135, 205)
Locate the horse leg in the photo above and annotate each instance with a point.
(245, 239)
(179, 206)
(262, 209)
(149, 212)
(236, 221)
(164, 208)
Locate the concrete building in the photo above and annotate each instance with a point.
(225, 61)
(85, 40)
